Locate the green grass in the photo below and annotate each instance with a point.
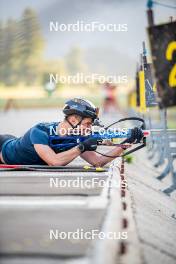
(171, 124)
(42, 102)
(129, 159)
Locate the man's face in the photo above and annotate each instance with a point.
(85, 126)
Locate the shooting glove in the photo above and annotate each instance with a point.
(89, 144)
(136, 135)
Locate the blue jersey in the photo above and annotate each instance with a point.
(21, 150)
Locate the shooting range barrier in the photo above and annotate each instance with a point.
(38, 183)
(30, 209)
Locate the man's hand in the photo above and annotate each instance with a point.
(136, 135)
(89, 144)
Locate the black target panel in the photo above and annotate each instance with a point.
(163, 47)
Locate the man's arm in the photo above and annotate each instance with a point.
(98, 160)
(53, 159)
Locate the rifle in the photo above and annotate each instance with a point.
(64, 143)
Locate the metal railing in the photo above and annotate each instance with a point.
(162, 146)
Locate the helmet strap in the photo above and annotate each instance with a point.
(72, 124)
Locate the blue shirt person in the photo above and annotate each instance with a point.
(21, 150)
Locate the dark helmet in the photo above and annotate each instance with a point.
(81, 107)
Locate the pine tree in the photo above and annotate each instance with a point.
(10, 52)
(1, 52)
(31, 46)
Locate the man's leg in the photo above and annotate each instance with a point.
(1, 161)
(3, 139)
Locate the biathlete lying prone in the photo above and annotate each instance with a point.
(34, 147)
